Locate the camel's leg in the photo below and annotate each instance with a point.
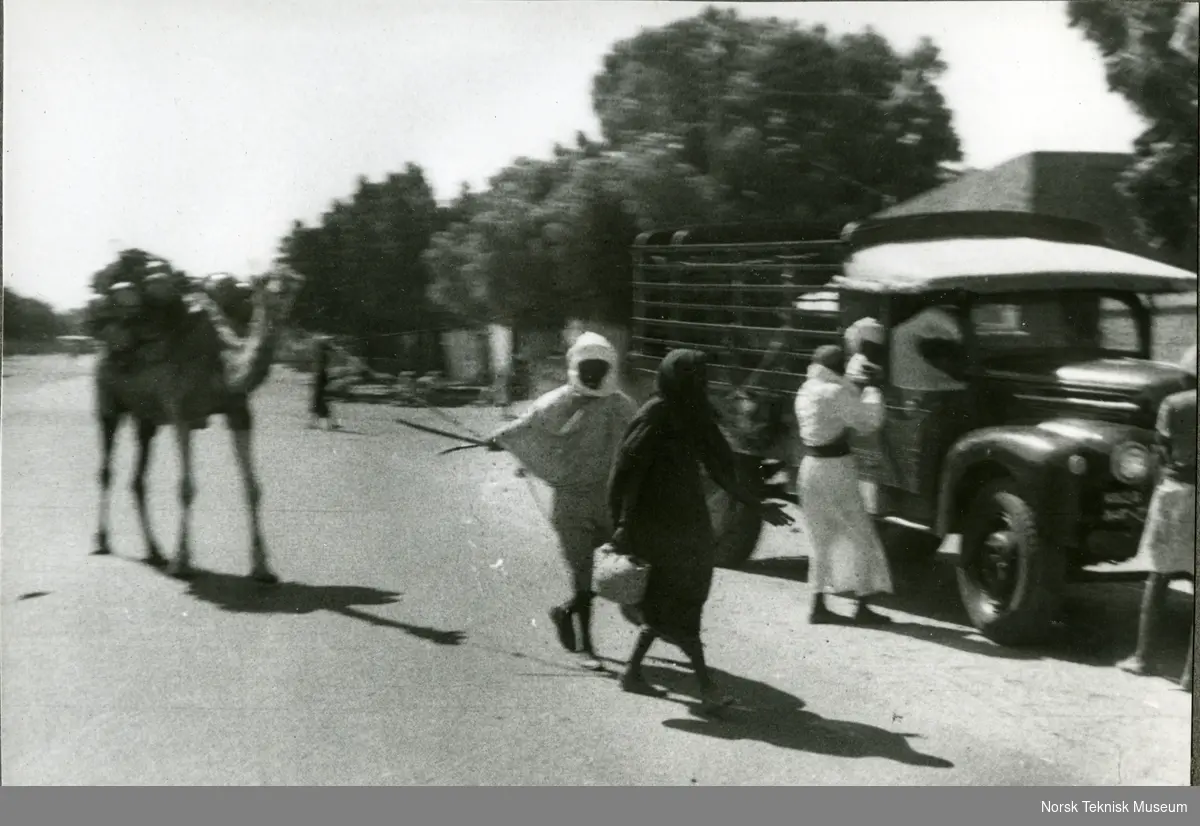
(242, 446)
(145, 435)
(109, 422)
(181, 565)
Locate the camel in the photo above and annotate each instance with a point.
(199, 368)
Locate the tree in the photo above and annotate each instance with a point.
(27, 320)
(793, 122)
(363, 266)
(550, 239)
(1150, 58)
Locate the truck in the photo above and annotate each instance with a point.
(1039, 458)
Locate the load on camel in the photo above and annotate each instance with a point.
(177, 351)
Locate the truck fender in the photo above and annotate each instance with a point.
(1035, 459)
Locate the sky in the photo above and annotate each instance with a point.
(199, 130)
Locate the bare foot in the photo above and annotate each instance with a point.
(265, 576)
(1135, 665)
(714, 705)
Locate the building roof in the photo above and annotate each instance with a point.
(1080, 185)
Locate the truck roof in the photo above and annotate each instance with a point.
(992, 252)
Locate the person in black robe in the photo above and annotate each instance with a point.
(319, 408)
(659, 510)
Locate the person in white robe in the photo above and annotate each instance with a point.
(865, 342)
(1168, 546)
(569, 439)
(847, 557)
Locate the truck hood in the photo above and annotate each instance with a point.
(1125, 390)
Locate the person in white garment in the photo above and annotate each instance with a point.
(865, 341)
(1168, 543)
(847, 557)
(569, 438)
(924, 351)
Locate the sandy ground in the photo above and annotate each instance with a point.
(409, 645)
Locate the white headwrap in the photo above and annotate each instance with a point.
(865, 329)
(588, 347)
(565, 438)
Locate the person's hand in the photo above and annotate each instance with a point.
(620, 544)
(773, 514)
(872, 374)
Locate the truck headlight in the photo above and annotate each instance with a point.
(1131, 463)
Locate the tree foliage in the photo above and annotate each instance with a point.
(1150, 57)
(362, 262)
(712, 118)
(551, 238)
(797, 124)
(28, 320)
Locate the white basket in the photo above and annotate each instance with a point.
(618, 578)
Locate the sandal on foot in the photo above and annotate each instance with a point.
(565, 626)
(589, 662)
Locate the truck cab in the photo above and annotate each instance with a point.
(1019, 386)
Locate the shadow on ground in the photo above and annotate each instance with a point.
(243, 595)
(768, 715)
(1098, 625)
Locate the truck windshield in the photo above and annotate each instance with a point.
(1060, 321)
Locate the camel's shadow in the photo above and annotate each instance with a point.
(769, 715)
(243, 595)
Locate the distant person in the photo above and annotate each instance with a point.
(658, 505)
(1168, 545)
(319, 407)
(568, 439)
(847, 556)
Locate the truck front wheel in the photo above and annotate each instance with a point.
(1010, 580)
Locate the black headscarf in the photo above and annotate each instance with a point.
(680, 410)
(682, 384)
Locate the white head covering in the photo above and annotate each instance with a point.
(587, 347)
(865, 329)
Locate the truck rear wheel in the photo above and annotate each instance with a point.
(1010, 580)
(736, 527)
